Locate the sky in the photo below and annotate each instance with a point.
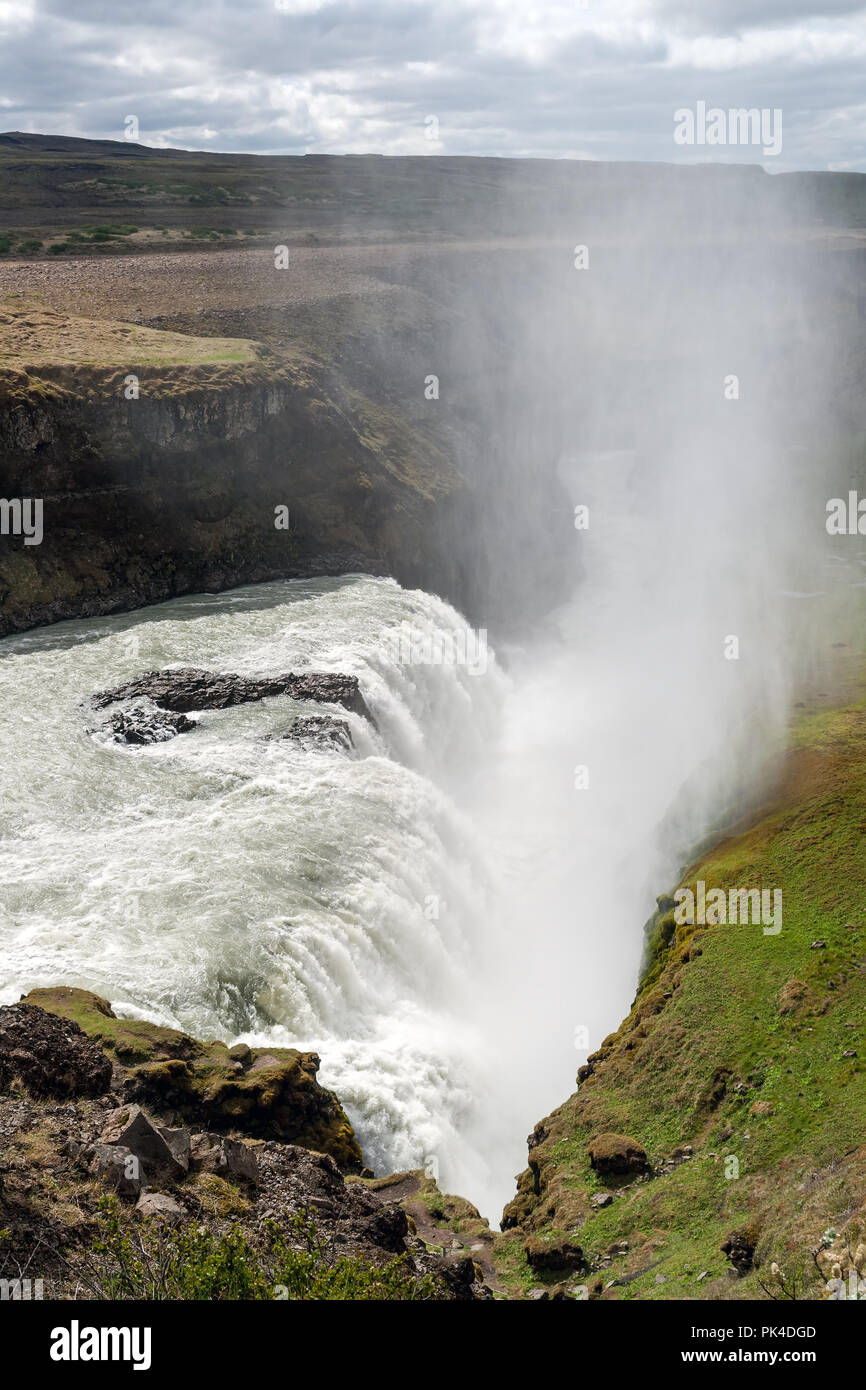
(593, 79)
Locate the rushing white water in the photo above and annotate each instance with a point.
(238, 887)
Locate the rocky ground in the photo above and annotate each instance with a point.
(107, 1165)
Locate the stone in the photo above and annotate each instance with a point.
(142, 726)
(130, 1127)
(159, 1204)
(187, 688)
(278, 1100)
(818, 946)
(600, 1199)
(216, 1153)
(179, 1142)
(118, 1167)
(611, 1153)
(50, 1054)
(240, 1053)
(317, 731)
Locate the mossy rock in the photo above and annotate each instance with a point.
(275, 1096)
(611, 1153)
(128, 1040)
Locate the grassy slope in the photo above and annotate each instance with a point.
(735, 1046)
(33, 336)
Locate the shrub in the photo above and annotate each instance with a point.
(155, 1261)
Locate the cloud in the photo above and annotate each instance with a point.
(551, 79)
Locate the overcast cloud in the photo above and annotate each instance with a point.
(502, 77)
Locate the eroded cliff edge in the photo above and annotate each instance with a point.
(139, 1162)
(160, 477)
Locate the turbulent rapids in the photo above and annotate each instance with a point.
(244, 886)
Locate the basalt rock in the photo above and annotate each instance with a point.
(50, 1055)
(159, 1204)
(130, 1128)
(216, 1153)
(187, 688)
(318, 731)
(117, 1167)
(140, 725)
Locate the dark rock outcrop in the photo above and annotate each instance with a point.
(50, 1055)
(558, 1255)
(614, 1154)
(318, 731)
(186, 688)
(140, 725)
(352, 1220)
(175, 493)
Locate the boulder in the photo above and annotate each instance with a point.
(159, 1204)
(216, 1153)
(318, 731)
(617, 1154)
(131, 1128)
(187, 688)
(49, 1054)
(206, 1086)
(140, 725)
(179, 1142)
(118, 1167)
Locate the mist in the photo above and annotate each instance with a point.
(651, 401)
